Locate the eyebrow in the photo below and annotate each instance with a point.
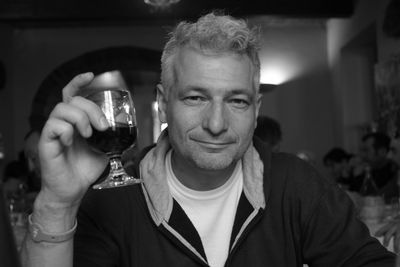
(251, 97)
(238, 91)
(241, 92)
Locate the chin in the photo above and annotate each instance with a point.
(213, 163)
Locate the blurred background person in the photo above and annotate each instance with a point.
(15, 177)
(21, 184)
(31, 142)
(384, 171)
(269, 131)
(24, 172)
(8, 251)
(341, 167)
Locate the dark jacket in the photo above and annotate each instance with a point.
(297, 217)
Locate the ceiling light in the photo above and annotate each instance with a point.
(161, 3)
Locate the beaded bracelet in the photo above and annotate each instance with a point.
(38, 235)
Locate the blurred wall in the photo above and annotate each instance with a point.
(31, 54)
(7, 122)
(301, 103)
(355, 45)
(294, 54)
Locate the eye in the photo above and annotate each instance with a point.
(239, 103)
(194, 99)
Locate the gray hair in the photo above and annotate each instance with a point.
(211, 33)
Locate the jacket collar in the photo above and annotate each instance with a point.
(158, 196)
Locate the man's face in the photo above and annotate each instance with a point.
(211, 111)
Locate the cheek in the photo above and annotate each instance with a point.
(243, 126)
(180, 120)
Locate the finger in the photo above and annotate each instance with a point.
(58, 129)
(93, 112)
(73, 115)
(75, 84)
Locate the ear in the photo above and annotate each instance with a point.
(162, 103)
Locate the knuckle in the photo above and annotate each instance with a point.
(73, 100)
(57, 109)
(68, 128)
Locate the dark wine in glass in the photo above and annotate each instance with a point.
(114, 140)
(117, 106)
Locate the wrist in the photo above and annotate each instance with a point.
(39, 235)
(52, 215)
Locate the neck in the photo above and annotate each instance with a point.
(196, 178)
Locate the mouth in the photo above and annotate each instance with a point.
(213, 145)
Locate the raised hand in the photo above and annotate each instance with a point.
(68, 165)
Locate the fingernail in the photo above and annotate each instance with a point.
(87, 75)
(103, 122)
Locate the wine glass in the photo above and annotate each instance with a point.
(118, 108)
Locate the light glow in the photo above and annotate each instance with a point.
(280, 68)
(108, 79)
(273, 76)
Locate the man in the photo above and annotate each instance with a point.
(337, 162)
(211, 196)
(23, 175)
(345, 168)
(384, 171)
(31, 142)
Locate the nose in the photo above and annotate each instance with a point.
(216, 118)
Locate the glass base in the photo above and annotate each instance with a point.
(117, 176)
(117, 181)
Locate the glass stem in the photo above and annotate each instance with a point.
(116, 165)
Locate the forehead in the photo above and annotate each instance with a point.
(213, 71)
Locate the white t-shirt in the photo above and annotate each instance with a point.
(211, 212)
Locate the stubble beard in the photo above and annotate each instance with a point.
(212, 162)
